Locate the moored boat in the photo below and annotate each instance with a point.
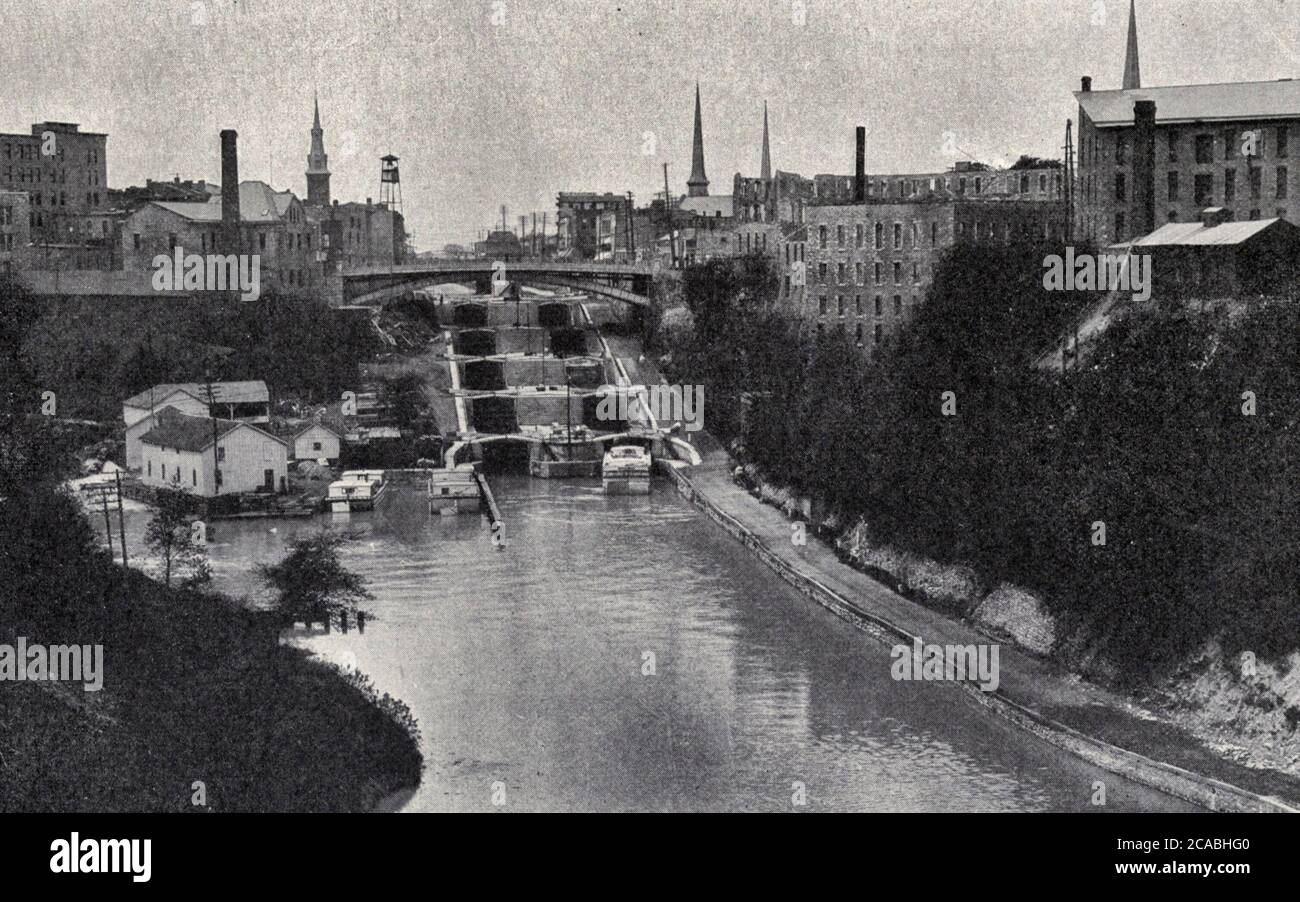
(625, 470)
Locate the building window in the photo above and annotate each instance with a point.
(857, 305)
(916, 267)
(1172, 185)
(876, 333)
(857, 273)
(857, 334)
(221, 454)
(194, 477)
(858, 234)
(821, 273)
(1230, 144)
(839, 236)
(934, 234)
(877, 268)
(1256, 179)
(839, 274)
(150, 470)
(898, 272)
(1280, 191)
(898, 304)
(1203, 188)
(1173, 215)
(898, 236)
(839, 304)
(880, 238)
(821, 236)
(1282, 136)
(135, 240)
(1229, 185)
(821, 305)
(1205, 148)
(879, 306)
(1121, 189)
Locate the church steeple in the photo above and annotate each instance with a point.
(765, 171)
(698, 184)
(1132, 72)
(318, 170)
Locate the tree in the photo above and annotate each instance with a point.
(311, 582)
(171, 536)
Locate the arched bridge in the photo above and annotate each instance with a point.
(627, 282)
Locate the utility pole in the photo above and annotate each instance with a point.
(121, 517)
(211, 392)
(668, 214)
(543, 233)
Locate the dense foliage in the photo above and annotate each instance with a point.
(1201, 513)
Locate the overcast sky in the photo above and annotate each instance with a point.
(492, 102)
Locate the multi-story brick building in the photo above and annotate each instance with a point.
(271, 224)
(65, 172)
(593, 226)
(1149, 156)
(15, 229)
(869, 265)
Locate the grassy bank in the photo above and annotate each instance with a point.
(195, 688)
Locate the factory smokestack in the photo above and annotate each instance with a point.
(1144, 167)
(229, 191)
(860, 168)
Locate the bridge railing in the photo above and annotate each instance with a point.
(487, 264)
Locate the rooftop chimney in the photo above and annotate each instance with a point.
(1144, 167)
(229, 191)
(860, 168)
(1215, 216)
(1086, 84)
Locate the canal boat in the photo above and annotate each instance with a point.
(357, 490)
(626, 470)
(453, 490)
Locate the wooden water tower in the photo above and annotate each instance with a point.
(390, 183)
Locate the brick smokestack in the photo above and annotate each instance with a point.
(1144, 167)
(229, 191)
(860, 168)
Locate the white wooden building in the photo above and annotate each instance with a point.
(247, 402)
(316, 442)
(189, 452)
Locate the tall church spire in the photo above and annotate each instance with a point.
(765, 172)
(1132, 72)
(698, 184)
(318, 170)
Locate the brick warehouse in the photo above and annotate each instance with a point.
(868, 265)
(1149, 156)
(67, 187)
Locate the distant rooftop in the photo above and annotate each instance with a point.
(1227, 102)
(1197, 234)
(248, 392)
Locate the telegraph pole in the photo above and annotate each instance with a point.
(668, 214)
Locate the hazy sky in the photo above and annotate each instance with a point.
(492, 102)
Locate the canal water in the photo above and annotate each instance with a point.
(529, 669)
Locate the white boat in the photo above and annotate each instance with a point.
(625, 470)
(453, 490)
(358, 490)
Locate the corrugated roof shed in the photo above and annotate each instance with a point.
(247, 392)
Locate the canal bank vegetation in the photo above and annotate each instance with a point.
(202, 708)
(94, 352)
(1174, 446)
